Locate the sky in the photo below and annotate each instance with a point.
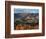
(19, 10)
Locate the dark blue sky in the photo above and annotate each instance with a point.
(19, 10)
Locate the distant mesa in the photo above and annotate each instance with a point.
(25, 15)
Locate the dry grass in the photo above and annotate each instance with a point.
(26, 27)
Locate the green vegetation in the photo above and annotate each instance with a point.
(32, 22)
(18, 22)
